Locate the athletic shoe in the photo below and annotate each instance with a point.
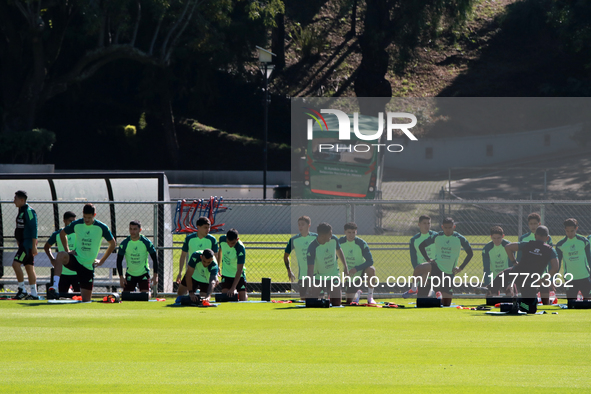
(52, 294)
(410, 293)
(31, 297)
(20, 295)
(357, 296)
(371, 301)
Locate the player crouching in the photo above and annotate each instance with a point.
(202, 271)
(360, 263)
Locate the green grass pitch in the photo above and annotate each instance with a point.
(247, 348)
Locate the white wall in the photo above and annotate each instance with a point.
(471, 151)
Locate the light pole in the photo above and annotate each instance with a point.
(265, 57)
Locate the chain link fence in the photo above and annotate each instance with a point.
(265, 228)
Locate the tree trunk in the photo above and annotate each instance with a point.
(370, 81)
(21, 113)
(165, 103)
(278, 42)
(353, 31)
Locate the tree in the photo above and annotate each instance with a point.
(402, 23)
(46, 46)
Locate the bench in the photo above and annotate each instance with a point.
(105, 275)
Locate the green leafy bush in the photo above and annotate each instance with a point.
(26, 147)
(307, 40)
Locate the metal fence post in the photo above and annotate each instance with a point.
(348, 214)
(156, 225)
(441, 206)
(449, 181)
(159, 244)
(543, 213)
(1, 247)
(519, 222)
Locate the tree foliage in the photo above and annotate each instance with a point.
(405, 24)
(48, 46)
(572, 22)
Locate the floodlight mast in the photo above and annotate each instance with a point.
(265, 57)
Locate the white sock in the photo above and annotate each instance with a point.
(414, 287)
(22, 286)
(56, 282)
(34, 290)
(369, 293)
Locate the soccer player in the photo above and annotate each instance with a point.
(576, 252)
(25, 233)
(424, 233)
(233, 256)
(136, 249)
(494, 256)
(202, 271)
(536, 255)
(359, 261)
(68, 277)
(89, 234)
(322, 263)
(533, 221)
(299, 243)
(448, 244)
(200, 240)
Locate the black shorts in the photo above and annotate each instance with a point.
(227, 283)
(203, 287)
(357, 284)
(301, 289)
(445, 283)
(314, 291)
(24, 256)
(69, 280)
(315, 286)
(142, 281)
(582, 285)
(508, 277)
(85, 275)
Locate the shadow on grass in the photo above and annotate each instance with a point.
(189, 306)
